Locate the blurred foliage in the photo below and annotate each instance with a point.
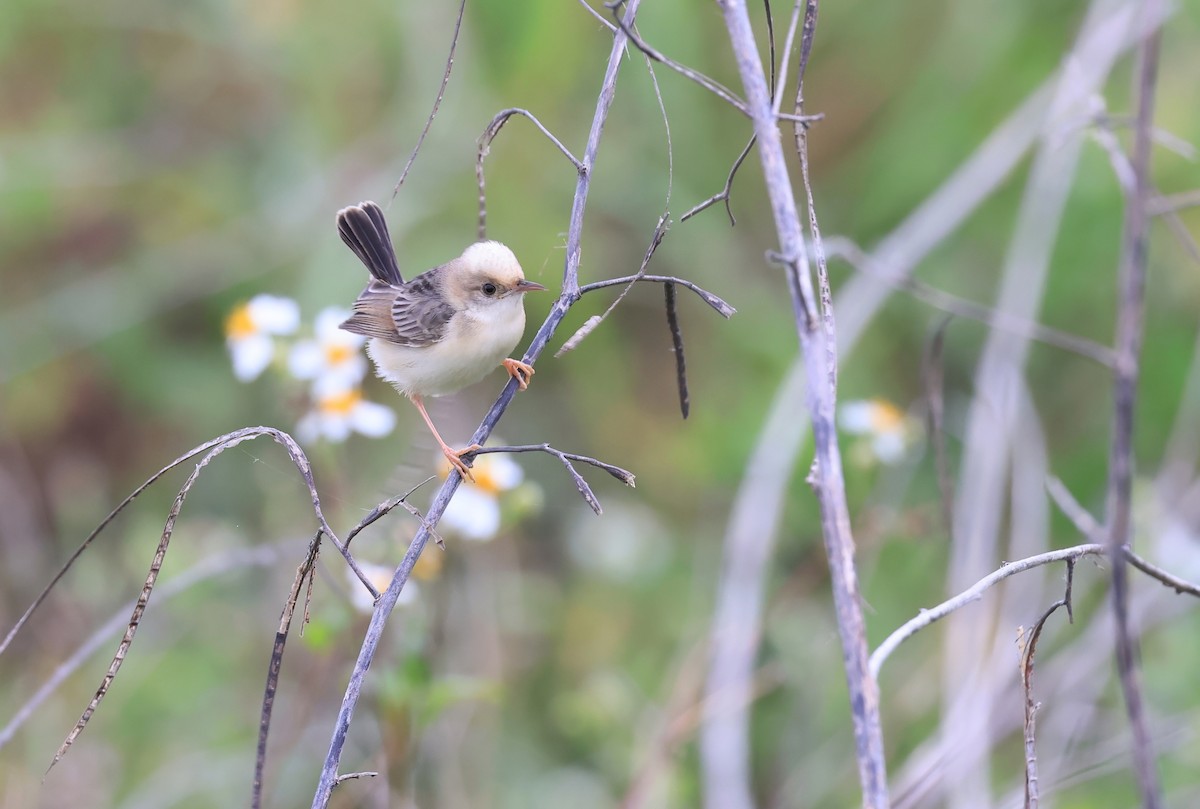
(160, 163)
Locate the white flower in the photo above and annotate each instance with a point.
(339, 410)
(889, 429)
(474, 512)
(249, 329)
(380, 577)
(335, 353)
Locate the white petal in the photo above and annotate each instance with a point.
(251, 355)
(857, 416)
(328, 321)
(308, 429)
(472, 514)
(347, 373)
(306, 360)
(889, 447)
(372, 419)
(274, 315)
(335, 427)
(327, 386)
(507, 473)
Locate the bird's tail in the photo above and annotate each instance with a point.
(363, 228)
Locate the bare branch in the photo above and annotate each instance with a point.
(226, 442)
(660, 230)
(723, 195)
(623, 475)
(485, 144)
(715, 87)
(974, 593)
(570, 294)
(599, 17)
(208, 568)
(462, 7)
(1130, 327)
(1031, 708)
(303, 573)
(830, 489)
(720, 306)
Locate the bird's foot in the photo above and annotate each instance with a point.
(455, 459)
(520, 371)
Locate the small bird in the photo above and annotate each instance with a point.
(444, 329)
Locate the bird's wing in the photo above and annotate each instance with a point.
(413, 314)
(364, 229)
(420, 311)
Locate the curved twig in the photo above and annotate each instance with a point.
(623, 475)
(722, 308)
(485, 144)
(208, 568)
(299, 459)
(231, 440)
(713, 86)
(462, 7)
(974, 593)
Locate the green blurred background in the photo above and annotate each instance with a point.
(161, 163)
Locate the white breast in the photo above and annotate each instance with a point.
(474, 344)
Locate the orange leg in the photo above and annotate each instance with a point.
(520, 371)
(452, 455)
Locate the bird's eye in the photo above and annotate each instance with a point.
(489, 289)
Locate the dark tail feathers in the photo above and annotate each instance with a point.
(363, 228)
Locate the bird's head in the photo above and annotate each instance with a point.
(487, 274)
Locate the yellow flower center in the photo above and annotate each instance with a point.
(338, 354)
(239, 325)
(886, 417)
(428, 566)
(340, 404)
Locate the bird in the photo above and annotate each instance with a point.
(444, 329)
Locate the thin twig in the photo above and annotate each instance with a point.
(1180, 586)
(485, 144)
(462, 7)
(623, 475)
(660, 230)
(723, 194)
(715, 87)
(800, 133)
(598, 16)
(1129, 332)
(974, 593)
(570, 294)
(720, 306)
(1031, 708)
(230, 440)
(208, 568)
(303, 573)
(382, 510)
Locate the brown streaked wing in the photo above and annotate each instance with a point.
(373, 312)
(420, 311)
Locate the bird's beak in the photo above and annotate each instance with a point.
(528, 286)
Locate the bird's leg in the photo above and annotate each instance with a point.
(452, 455)
(520, 371)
